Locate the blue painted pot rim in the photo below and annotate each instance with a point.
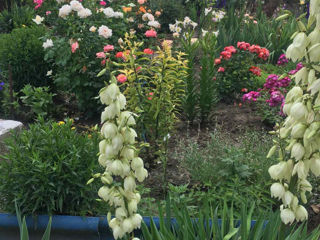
(72, 223)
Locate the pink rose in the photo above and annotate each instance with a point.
(148, 51)
(103, 62)
(221, 69)
(74, 47)
(141, 1)
(108, 48)
(103, 3)
(100, 55)
(121, 78)
(151, 33)
(48, 13)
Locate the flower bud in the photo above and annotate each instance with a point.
(127, 153)
(112, 91)
(122, 101)
(277, 190)
(301, 213)
(301, 170)
(121, 213)
(126, 118)
(102, 146)
(109, 152)
(277, 171)
(315, 166)
(298, 130)
(127, 225)
(136, 163)
(295, 93)
(129, 184)
(287, 216)
(287, 198)
(104, 193)
(136, 220)
(132, 206)
(104, 97)
(141, 174)
(117, 142)
(102, 160)
(116, 167)
(297, 151)
(109, 130)
(298, 111)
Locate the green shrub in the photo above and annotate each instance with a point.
(46, 170)
(22, 49)
(39, 100)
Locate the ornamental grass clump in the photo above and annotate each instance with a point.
(299, 138)
(118, 155)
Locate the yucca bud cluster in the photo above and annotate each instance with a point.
(118, 155)
(301, 129)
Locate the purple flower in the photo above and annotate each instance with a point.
(251, 96)
(1, 85)
(282, 60)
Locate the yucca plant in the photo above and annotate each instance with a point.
(222, 224)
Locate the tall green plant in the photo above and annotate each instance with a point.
(207, 93)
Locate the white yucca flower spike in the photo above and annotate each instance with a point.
(118, 156)
(299, 137)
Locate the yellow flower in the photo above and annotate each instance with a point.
(73, 128)
(23, 25)
(61, 123)
(302, 2)
(89, 136)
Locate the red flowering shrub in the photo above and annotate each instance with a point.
(236, 69)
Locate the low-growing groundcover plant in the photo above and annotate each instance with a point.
(46, 170)
(298, 136)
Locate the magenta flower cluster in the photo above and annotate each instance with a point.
(298, 67)
(251, 96)
(282, 60)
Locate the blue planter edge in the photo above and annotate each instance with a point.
(73, 223)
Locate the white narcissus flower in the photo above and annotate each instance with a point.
(105, 32)
(277, 190)
(38, 20)
(64, 11)
(301, 213)
(287, 216)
